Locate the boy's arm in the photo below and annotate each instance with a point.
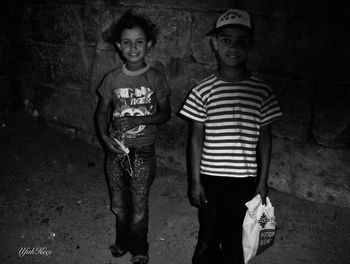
(102, 124)
(163, 115)
(264, 148)
(197, 195)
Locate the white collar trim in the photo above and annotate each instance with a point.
(135, 73)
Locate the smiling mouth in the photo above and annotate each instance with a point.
(232, 56)
(133, 54)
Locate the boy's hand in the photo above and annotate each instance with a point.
(111, 145)
(263, 190)
(197, 195)
(126, 123)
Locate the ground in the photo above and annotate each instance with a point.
(54, 199)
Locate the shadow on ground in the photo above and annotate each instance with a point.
(54, 201)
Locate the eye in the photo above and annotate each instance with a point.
(242, 43)
(226, 40)
(125, 42)
(140, 41)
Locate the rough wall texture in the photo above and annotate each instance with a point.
(52, 59)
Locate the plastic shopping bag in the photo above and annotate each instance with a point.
(259, 227)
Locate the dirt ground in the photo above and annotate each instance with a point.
(54, 201)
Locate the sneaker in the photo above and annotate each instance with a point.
(116, 251)
(139, 259)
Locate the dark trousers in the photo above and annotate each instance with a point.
(220, 221)
(129, 191)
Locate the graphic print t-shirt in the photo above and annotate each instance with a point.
(135, 93)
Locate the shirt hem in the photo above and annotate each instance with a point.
(228, 175)
(184, 114)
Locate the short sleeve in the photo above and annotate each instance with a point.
(105, 88)
(270, 109)
(194, 107)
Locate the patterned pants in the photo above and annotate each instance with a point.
(129, 184)
(220, 221)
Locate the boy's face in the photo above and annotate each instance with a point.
(232, 46)
(133, 46)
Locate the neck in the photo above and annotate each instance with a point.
(135, 66)
(234, 73)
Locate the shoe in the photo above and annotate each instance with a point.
(116, 251)
(139, 259)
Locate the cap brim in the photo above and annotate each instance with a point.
(216, 30)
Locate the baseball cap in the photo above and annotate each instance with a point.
(232, 18)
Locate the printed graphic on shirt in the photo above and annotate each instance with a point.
(133, 102)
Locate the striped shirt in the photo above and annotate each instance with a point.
(233, 113)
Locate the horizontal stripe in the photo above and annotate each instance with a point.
(230, 124)
(232, 173)
(228, 152)
(191, 109)
(228, 165)
(222, 105)
(234, 118)
(227, 175)
(232, 159)
(256, 92)
(234, 110)
(229, 133)
(273, 113)
(192, 117)
(269, 108)
(232, 100)
(235, 96)
(192, 100)
(236, 138)
(271, 119)
(228, 160)
(189, 112)
(227, 121)
(233, 113)
(229, 145)
(221, 127)
(215, 154)
(235, 105)
(273, 109)
(249, 84)
(231, 170)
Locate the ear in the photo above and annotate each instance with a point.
(213, 43)
(118, 45)
(149, 44)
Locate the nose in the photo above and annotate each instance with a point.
(133, 45)
(234, 45)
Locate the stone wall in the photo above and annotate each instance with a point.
(53, 58)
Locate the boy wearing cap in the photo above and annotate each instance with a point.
(231, 113)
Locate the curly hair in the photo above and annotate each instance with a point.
(131, 20)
